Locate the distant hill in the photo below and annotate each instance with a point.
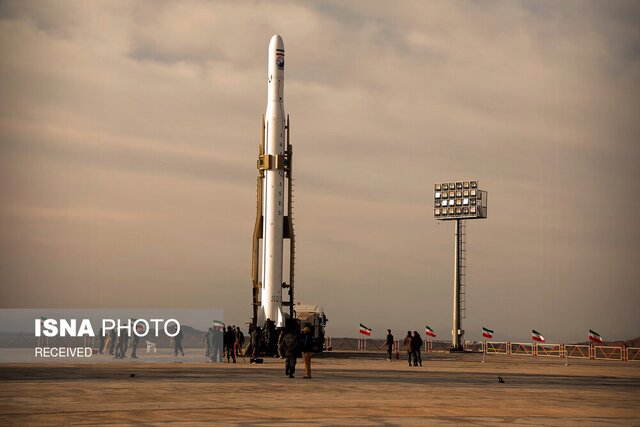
(635, 342)
(191, 338)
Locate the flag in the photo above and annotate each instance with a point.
(218, 324)
(364, 330)
(487, 333)
(595, 337)
(536, 336)
(429, 331)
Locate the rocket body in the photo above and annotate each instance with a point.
(273, 189)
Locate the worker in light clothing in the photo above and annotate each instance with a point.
(307, 351)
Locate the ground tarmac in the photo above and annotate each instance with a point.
(450, 389)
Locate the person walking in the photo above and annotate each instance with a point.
(407, 343)
(307, 351)
(389, 344)
(290, 350)
(416, 345)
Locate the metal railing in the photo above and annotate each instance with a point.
(569, 351)
(609, 353)
(549, 350)
(633, 353)
(497, 347)
(522, 348)
(577, 351)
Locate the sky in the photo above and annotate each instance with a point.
(129, 134)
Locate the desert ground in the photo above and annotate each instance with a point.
(450, 389)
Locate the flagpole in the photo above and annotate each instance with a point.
(484, 350)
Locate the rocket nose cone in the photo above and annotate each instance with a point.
(276, 43)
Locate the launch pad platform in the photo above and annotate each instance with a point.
(450, 389)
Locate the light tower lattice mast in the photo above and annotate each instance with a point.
(459, 201)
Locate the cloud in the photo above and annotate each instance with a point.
(129, 132)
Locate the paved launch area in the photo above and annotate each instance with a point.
(448, 390)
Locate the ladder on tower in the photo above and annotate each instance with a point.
(463, 269)
(293, 241)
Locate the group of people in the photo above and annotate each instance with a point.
(293, 343)
(286, 343)
(223, 343)
(413, 345)
(117, 345)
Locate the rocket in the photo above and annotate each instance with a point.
(272, 184)
(273, 189)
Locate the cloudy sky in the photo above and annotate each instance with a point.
(129, 133)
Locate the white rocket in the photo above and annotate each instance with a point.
(273, 189)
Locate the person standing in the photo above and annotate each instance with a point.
(280, 337)
(135, 339)
(101, 336)
(256, 342)
(290, 349)
(112, 341)
(239, 342)
(389, 344)
(216, 344)
(407, 344)
(307, 351)
(229, 341)
(416, 345)
(177, 343)
(206, 340)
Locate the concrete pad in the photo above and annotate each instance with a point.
(447, 390)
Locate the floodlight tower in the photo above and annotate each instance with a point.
(459, 201)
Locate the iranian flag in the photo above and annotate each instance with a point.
(536, 336)
(218, 324)
(487, 333)
(595, 337)
(364, 330)
(429, 331)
